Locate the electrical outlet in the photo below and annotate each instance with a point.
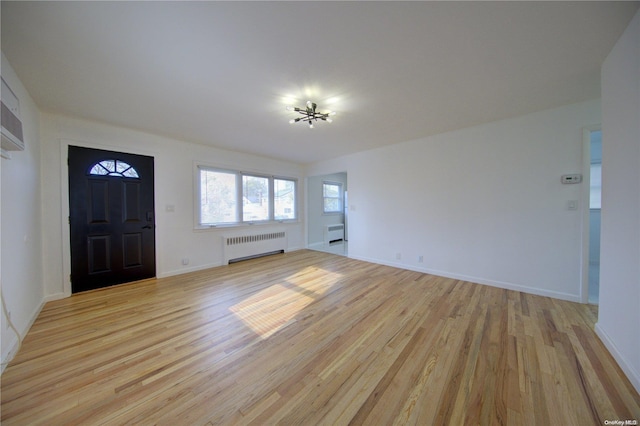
(398, 256)
(420, 259)
(185, 261)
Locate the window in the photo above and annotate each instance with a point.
(218, 197)
(255, 198)
(113, 168)
(284, 195)
(230, 197)
(332, 197)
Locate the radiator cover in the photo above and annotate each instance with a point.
(240, 247)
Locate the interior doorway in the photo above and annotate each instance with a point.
(327, 217)
(111, 218)
(593, 146)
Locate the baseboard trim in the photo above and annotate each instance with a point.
(188, 270)
(56, 296)
(14, 346)
(632, 375)
(203, 267)
(478, 280)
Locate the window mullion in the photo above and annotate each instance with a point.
(240, 197)
(272, 198)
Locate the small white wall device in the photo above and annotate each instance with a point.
(575, 178)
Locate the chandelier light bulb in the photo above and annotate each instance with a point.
(310, 114)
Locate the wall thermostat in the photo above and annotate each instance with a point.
(575, 178)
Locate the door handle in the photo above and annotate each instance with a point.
(147, 227)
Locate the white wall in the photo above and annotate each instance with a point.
(484, 204)
(21, 231)
(174, 185)
(619, 317)
(316, 219)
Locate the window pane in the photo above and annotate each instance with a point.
(217, 197)
(109, 165)
(331, 190)
(255, 198)
(284, 199)
(595, 198)
(99, 170)
(331, 205)
(121, 166)
(130, 173)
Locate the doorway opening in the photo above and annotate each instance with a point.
(593, 146)
(327, 214)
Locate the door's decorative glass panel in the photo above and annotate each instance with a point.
(113, 168)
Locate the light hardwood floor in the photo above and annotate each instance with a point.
(313, 338)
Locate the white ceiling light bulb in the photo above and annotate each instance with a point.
(310, 114)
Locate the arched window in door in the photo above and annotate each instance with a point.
(113, 168)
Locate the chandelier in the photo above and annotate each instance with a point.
(309, 114)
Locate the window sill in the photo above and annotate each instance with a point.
(245, 225)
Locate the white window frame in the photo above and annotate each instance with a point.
(340, 198)
(198, 224)
(295, 200)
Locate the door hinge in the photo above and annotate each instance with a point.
(69, 220)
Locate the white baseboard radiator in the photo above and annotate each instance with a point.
(243, 247)
(333, 233)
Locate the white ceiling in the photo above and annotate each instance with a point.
(221, 73)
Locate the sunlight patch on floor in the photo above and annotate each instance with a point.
(277, 306)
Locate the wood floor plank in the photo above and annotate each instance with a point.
(313, 338)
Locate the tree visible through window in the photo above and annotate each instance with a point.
(218, 197)
(255, 198)
(230, 197)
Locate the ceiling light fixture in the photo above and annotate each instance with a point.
(309, 114)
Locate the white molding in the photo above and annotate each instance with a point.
(632, 375)
(187, 270)
(14, 346)
(477, 280)
(56, 296)
(64, 196)
(207, 266)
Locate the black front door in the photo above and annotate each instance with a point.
(111, 207)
